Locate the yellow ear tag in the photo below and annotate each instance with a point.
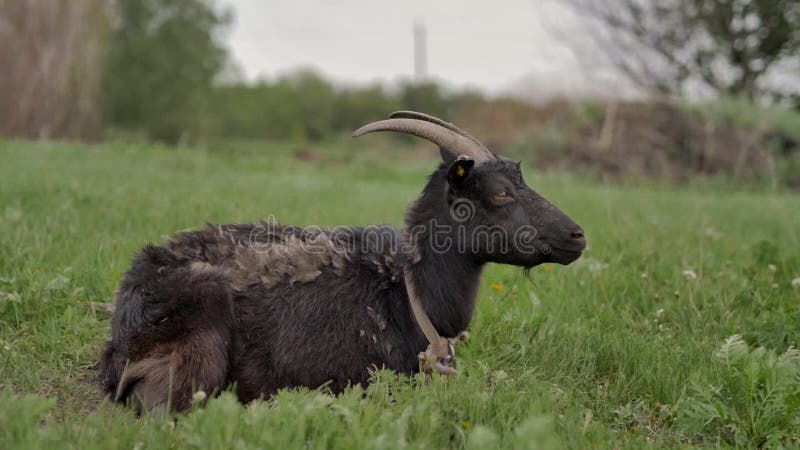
(460, 171)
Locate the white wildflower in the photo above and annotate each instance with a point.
(689, 274)
(660, 313)
(644, 274)
(772, 268)
(13, 214)
(593, 265)
(499, 375)
(596, 267)
(199, 396)
(796, 282)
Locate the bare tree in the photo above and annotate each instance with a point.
(51, 54)
(671, 46)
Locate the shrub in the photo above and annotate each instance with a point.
(752, 402)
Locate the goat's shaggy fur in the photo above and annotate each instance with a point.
(265, 306)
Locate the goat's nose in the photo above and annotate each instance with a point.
(578, 237)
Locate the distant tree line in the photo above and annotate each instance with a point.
(303, 105)
(158, 68)
(166, 77)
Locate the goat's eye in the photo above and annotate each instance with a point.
(501, 197)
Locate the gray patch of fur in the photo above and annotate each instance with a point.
(377, 318)
(291, 259)
(270, 254)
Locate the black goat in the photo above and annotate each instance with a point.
(266, 306)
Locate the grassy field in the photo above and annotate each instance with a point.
(676, 328)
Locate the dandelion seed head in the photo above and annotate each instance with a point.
(199, 396)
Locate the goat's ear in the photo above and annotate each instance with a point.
(459, 171)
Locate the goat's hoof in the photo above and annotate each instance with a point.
(438, 357)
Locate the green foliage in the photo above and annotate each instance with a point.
(299, 106)
(752, 402)
(605, 353)
(19, 417)
(357, 106)
(744, 113)
(304, 106)
(162, 60)
(674, 46)
(426, 97)
(778, 128)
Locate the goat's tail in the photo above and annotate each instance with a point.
(172, 336)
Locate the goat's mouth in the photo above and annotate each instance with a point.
(565, 255)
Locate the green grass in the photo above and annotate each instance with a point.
(615, 351)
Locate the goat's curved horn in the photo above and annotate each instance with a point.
(437, 121)
(434, 130)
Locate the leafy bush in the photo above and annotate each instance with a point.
(301, 106)
(753, 402)
(162, 61)
(744, 113)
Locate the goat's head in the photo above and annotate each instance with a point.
(497, 217)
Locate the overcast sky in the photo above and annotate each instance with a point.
(495, 46)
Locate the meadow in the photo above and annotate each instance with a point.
(678, 327)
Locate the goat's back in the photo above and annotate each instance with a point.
(263, 306)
